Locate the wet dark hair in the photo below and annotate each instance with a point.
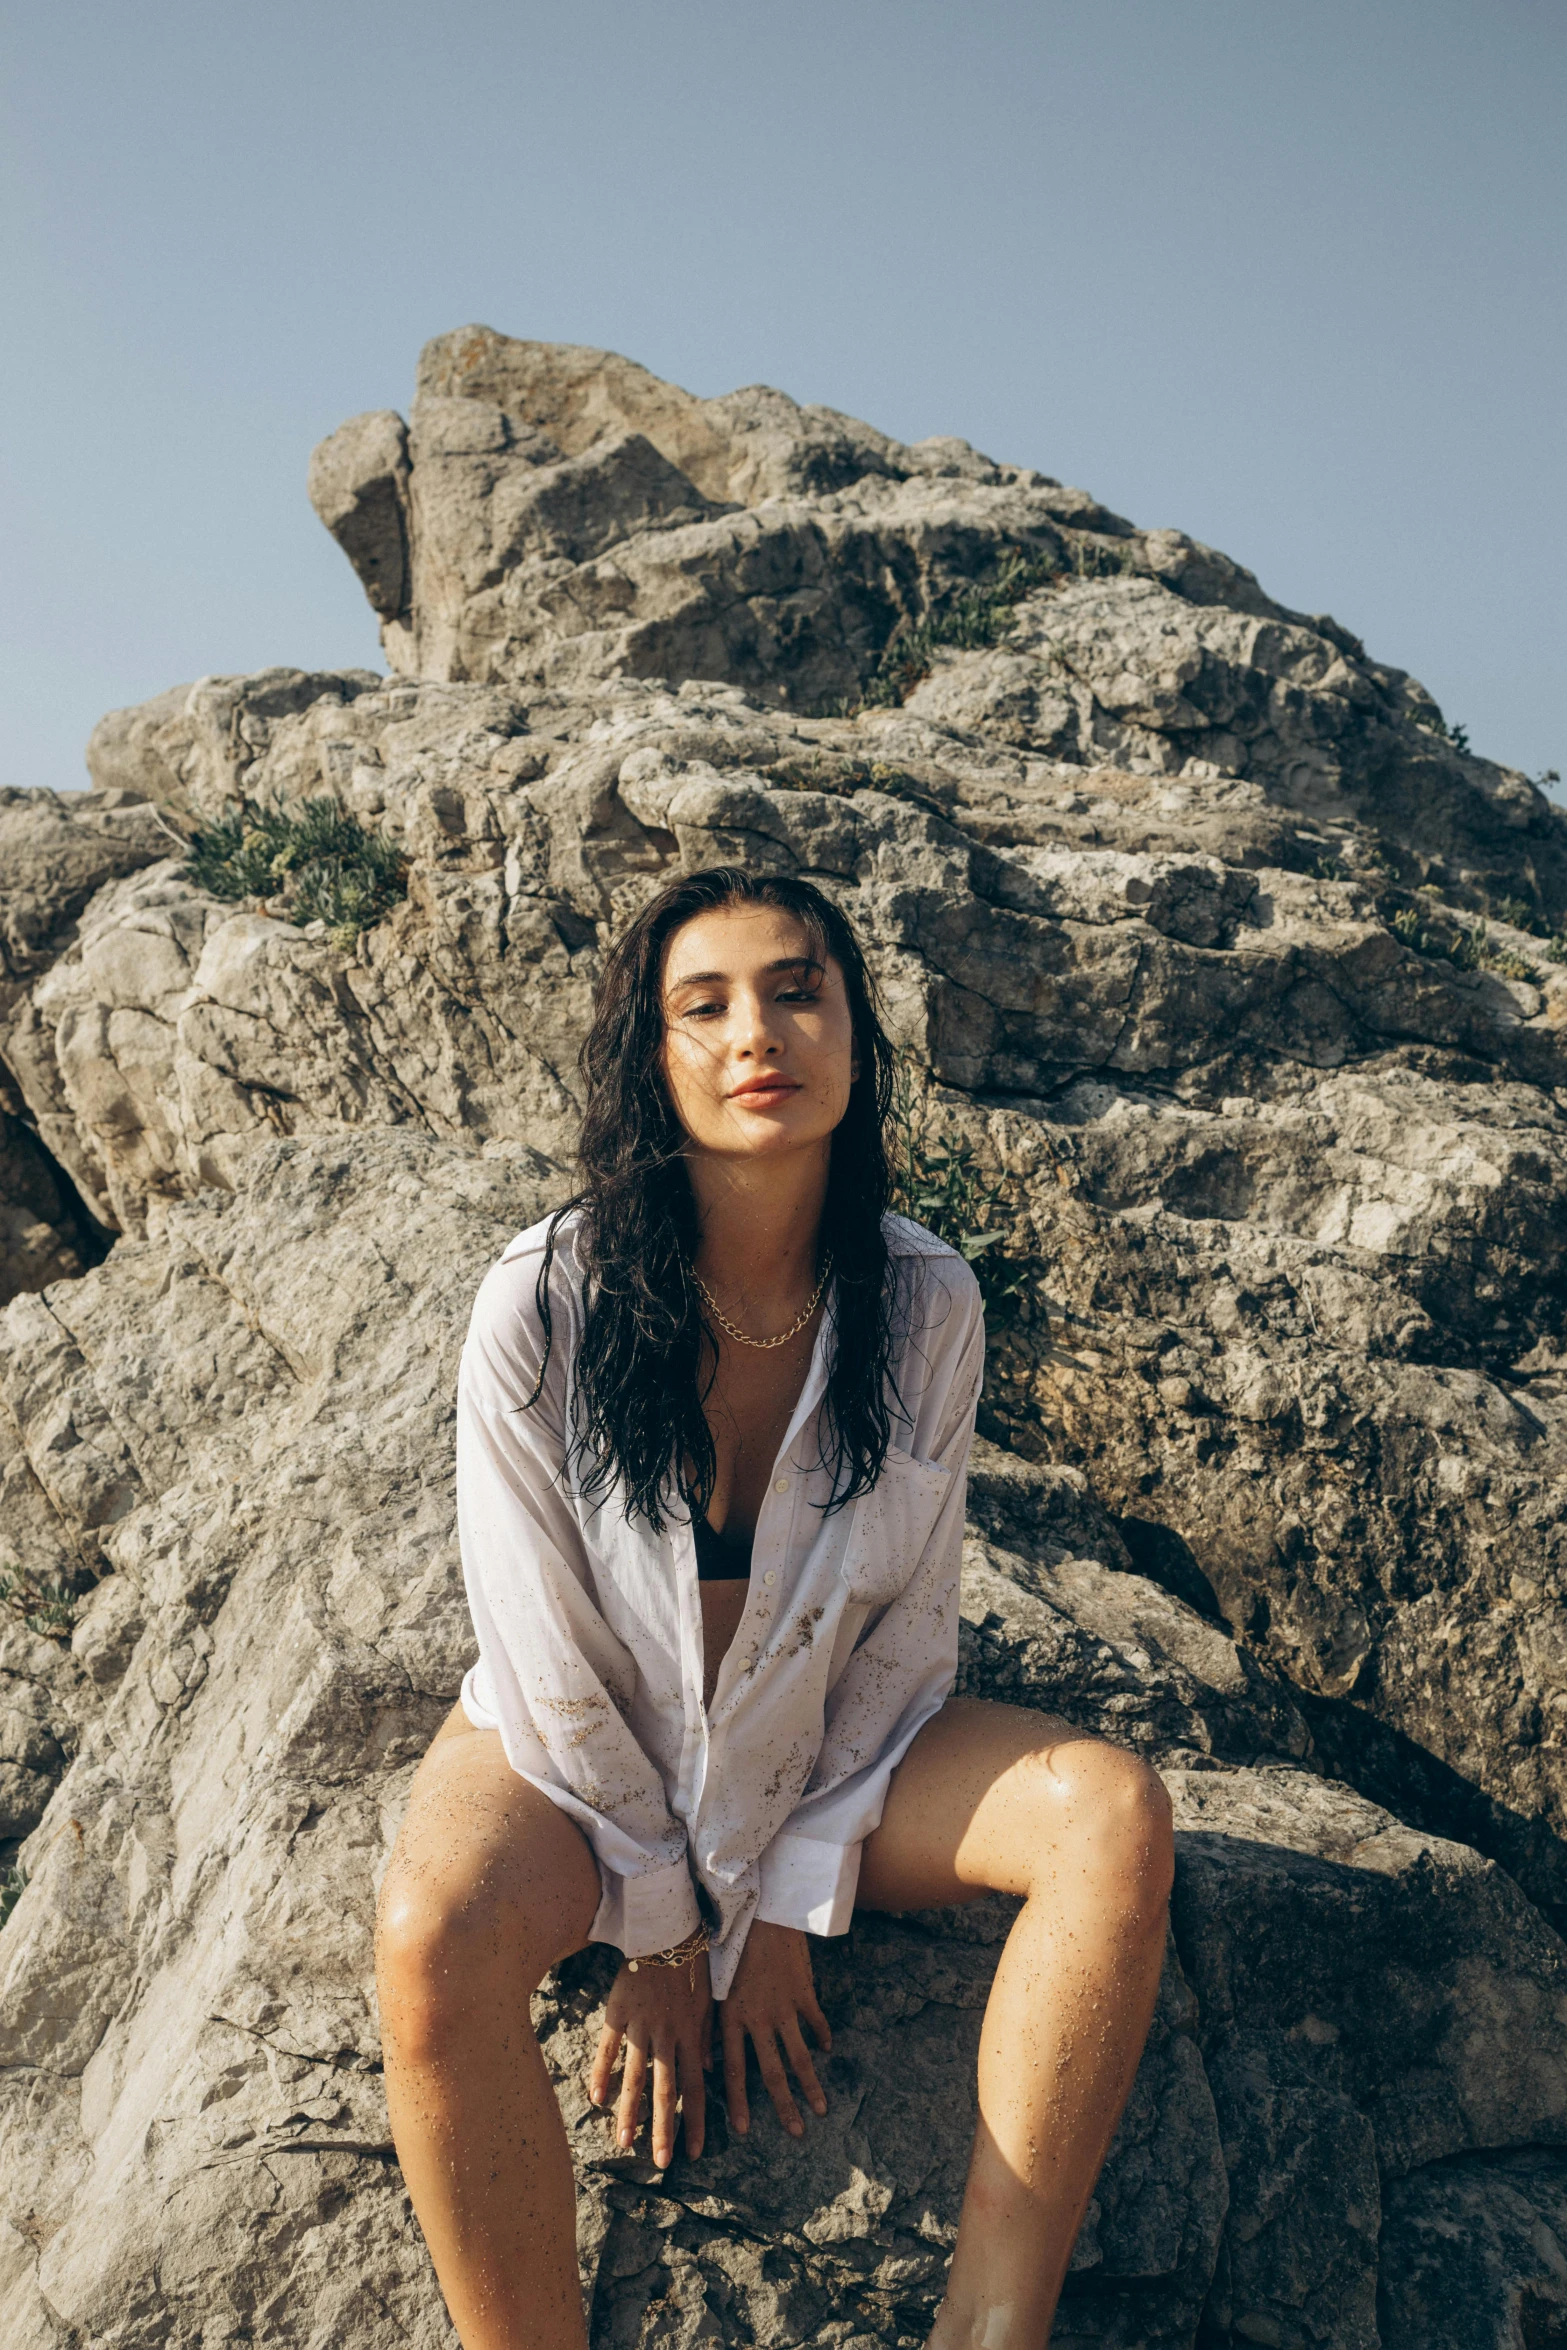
(648, 1353)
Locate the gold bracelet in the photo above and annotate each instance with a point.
(681, 1954)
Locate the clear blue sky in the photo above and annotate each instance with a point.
(1287, 277)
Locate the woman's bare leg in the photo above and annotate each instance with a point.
(994, 1797)
(488, 1888)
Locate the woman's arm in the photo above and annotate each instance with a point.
(551, 1672)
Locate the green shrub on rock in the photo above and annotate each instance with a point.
(316, 858)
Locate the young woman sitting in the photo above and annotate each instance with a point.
(713, 1429)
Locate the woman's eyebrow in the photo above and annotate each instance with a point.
(707, 978)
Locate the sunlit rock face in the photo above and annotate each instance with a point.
(1235, 971)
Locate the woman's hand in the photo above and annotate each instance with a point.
(773, 1988)
(664, 2016)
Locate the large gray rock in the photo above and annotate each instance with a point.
(1283, 1499)
(193, 2143)
(1294, 1189)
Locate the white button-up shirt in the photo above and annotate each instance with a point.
(590, 1626)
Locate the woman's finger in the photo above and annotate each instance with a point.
(804, 2071)
(821, 2029)
(693, 2096)
(604, 2064)
(633, 2080)
(777, 2082)
(733, 2032)
(663, 2107)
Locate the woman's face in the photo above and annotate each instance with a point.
(758, 1041)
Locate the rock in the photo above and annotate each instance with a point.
(191, 749)
(1475, 2254)
(282, 1628)
(1232, 973)
(359, 487)
(55, 854)
(40, 1216)
(1318, 1174)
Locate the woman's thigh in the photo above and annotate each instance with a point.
(995, 1798)
(484, 1860)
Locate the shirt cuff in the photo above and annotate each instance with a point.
(474, 1698)
(650, 1912)
(809, 1883)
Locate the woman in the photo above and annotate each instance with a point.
(713, 1431)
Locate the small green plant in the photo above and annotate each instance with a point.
(317, 858)
(1430, 717)
(1469, 950)
(47, 1607)
(1504, 962)
(940, 1184)
(977, 617)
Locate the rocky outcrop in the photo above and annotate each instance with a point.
(1229, 966)
(54, 859)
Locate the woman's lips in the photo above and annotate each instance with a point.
(773, 1090)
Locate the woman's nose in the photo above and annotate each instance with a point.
(755, 1030)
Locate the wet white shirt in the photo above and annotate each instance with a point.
(590, 1626)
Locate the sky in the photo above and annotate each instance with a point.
(1289, 278)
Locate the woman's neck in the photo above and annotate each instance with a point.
(759, 1222)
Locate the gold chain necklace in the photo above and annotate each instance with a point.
(784, 1336)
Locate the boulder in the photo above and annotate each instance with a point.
(1229, 976)
(1290, 1188)
(192, 2137)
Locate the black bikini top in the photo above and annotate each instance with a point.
(720, 1558)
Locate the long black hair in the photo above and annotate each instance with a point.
(648, 1354)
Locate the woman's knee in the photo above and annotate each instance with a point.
(460, 1932)
(444, 1940)
(1102, 1814)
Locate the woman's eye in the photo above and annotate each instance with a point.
(700, 1011)
(799, 995)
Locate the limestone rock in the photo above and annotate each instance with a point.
(1295, 1185)
(359, 487)
(191, 2131)
(55, 854)
(1475, 2254)
(1235, 971)
(41, 1217)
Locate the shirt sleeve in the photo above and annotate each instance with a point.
(900, 1673)
(552, 1678)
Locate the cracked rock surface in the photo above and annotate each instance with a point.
(1230, 964)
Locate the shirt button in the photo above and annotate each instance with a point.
(769, 1577)
(781, 1485)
